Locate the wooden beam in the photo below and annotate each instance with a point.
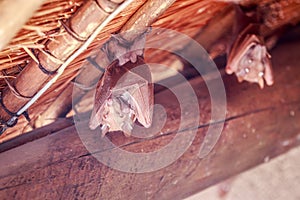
(59, 124)
(260, 125)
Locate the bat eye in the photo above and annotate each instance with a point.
(247, 70)
(250, 60)
(260, 74)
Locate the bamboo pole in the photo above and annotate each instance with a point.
(78, 29)
(143, 19)
(59, 108)
(13, 15)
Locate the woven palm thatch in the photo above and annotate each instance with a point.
(45, 26)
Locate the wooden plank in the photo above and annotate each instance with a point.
(260, 124)
(59, 124)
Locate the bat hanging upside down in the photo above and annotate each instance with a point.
(248, 57)
(124, 93)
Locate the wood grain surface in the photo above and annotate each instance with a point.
(259, 124)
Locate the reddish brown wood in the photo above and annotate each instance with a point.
(59, 124)
(260, 124)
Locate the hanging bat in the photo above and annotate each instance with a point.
(124, 94)
(248, 57)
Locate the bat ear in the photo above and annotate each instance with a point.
(94, 121)
(268, 75)
(228, 70)
(146, 95)
(142, 97)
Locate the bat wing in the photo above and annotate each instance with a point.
(124, 94)
(137, 89)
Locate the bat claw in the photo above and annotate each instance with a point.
(261, 83)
